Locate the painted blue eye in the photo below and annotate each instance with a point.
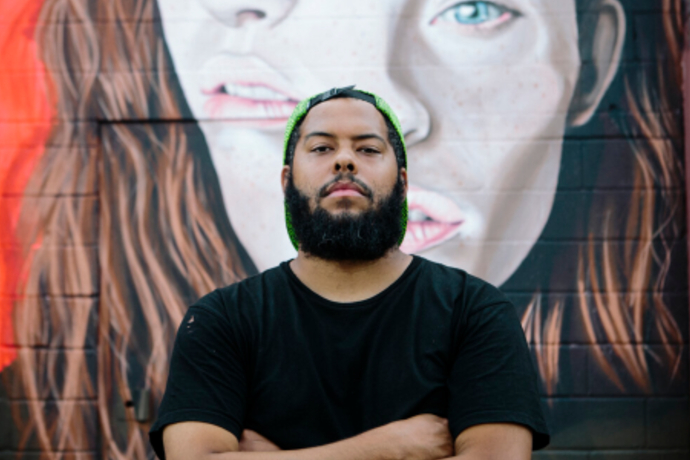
(472, 13)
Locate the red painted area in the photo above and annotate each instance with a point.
(686, 127)
(25, 114)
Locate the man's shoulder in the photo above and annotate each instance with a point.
(437, 269)
(257, 282)
(468, 286)
(246, 292)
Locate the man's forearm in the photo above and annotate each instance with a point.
(422, 437)
(371, 445)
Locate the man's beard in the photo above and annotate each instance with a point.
(368, 235)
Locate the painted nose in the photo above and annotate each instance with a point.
(414, 116)
(239, 13)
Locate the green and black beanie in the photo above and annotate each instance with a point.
(306, 105)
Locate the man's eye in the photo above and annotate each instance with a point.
(476, 13)
(320, 149)
(370, 150)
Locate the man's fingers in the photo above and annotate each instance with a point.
(251, 441)
(251, 435)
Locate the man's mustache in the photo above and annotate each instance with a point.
(346, 177)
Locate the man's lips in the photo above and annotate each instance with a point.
(345, 192)
(344, 189)
(432, 219)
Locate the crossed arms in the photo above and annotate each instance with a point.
(423, 437)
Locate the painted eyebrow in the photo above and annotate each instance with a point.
(359, 137)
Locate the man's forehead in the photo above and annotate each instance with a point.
(344, 112)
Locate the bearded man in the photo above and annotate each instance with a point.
(353, 350)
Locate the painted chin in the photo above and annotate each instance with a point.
(432, 220)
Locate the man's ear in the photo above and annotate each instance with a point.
(403, 175)
(284, 177)
(602, 35)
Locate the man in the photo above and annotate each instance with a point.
(353, 350)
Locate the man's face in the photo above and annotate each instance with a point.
(343, 160)
(344, 190)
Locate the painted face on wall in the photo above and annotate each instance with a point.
(482, 90)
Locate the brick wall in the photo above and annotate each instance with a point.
(71, 172)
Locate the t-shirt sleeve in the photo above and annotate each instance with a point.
(207, 380)
(492, 379)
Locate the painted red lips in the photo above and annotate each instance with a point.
(432, 219)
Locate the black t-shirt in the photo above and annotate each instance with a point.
(269, 354)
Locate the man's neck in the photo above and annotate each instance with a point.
(349, 281)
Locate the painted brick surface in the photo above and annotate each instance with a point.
(108, 162)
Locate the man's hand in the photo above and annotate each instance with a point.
(422, 437)
(251, 441)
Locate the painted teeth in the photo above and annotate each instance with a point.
(256, 92)
(270, 109)
(416, 215)
(273, 111)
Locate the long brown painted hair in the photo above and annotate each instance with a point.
(129, 228)
(621, 279)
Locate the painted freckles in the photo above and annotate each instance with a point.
(482, 90)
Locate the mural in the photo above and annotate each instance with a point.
(140, 147)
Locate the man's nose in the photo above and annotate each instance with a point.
(344, 162)
(238, 13)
